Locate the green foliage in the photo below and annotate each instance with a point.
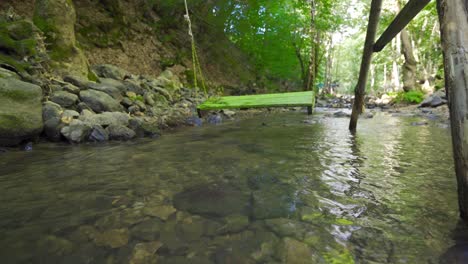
(411, 97)
(137, 98)
(337, 257)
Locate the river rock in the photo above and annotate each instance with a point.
(98, 134)
(214, 119)
(437, 101)
(134, 86)
(77, 131)
(114, 83)
(126, 102)
(20, 111)
(109, 71)
(145, 253)
(341, 114)
(64, 99)
(114, 92)
(106, 119)
(145, 128)
(149, 99)
(71, 89)
(274, 202)
(6, 74)
(52, 128)
(114, 238)
(69, 115)
(292, 251)
(213, 200)
(119, 132)
(51, 110)
(234, 224)
(77, 81)
(55, 246)
(161, 211)
(148, 230)
(284, 227)
(169, 80)
(99, 101)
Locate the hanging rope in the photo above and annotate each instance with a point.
(195, 59)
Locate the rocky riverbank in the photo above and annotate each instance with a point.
(119, 106)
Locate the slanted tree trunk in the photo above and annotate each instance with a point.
(409, 67)
(376, 7)
(453, 16)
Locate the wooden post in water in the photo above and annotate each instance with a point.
(360, 90)
(453, 16)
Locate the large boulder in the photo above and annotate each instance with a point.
(100, 101)
(20, 111)
(57, 18)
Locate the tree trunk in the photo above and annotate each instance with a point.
(453, 16)
(409, 67)
(376, 7)
(313, 34)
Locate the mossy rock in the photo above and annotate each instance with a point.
(20, 111)
(18, 38)
(56, 19)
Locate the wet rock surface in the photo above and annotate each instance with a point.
(213, 199)
(20, 111)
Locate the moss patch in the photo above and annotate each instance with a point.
(17, 38)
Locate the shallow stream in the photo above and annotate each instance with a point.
(275, 188)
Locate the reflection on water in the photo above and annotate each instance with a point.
(271, 189)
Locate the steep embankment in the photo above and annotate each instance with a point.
(146, 37)
(107, 69)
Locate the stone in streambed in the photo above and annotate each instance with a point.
(54, 245)
(292, 251)
(284, 227)
(234, 224)
(145, 253)
(148, 230)
(214, 200)
(274, 202)
(114, 238)
(161, 211)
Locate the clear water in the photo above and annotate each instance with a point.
(239, 192)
